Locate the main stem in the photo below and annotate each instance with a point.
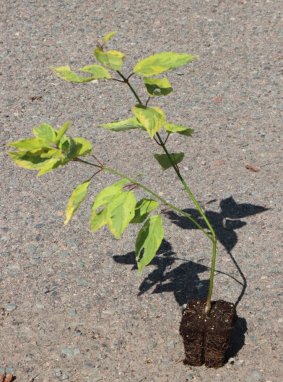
(213, 236)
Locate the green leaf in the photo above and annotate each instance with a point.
(151, 118)
(97, 71)
(83, 146)
(111, 59)
(118, 208)
(61, 132)
(127, 124)
(160, 62)
(51, 153)
(107, 37)
(27, 160)
(148, 241)
(77, 197)
(65, 73)
(69, 147)
(172, 128)
(165, 162)
(108, 193)
(46, 133)
(98, 220)
(29, 144)
(143, 209)
(121, 211)
(49, 165)
(158, 86)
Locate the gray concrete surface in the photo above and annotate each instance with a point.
(73, 307)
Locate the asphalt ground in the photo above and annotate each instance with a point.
(73, 305)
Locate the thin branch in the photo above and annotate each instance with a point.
(97, 160)
(116, 79)
(96, 172)
(156, 141)
(86, 162)
(130, 76)
(130, 86)
(166, 139)
(147, 101)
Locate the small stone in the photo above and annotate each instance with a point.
(183, 307)
(10, 307)
(81, 282)
(64, 377)
(40, 225)
(231, 360)
(254, 376)
(64, 254)
(31, 249)
(13, 269)
(10, 370)
(72, 312)
(67, 352)
(57, 372)
(39, 306)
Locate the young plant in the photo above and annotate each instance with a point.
(116, 205)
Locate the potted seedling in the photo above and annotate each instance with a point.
(205, 325)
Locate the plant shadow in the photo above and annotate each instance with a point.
(183, 280)
(225, 222)
(237, 339)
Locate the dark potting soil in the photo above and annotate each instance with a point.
(207, 336)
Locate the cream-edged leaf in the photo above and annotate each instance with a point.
(97, 71)
(151, 118)
(112, 59)
(160, 62)
(108, 36)
(127, 124)
(77, 197)
(180, 129)
(157, 86)
(165, 162)
(148, 241)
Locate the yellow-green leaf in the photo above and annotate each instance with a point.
(46, 133)
(111, 59)
(160, 62)
(108, 193)
(83, 146)
(165, 162)
(77, 197)
(180, 129)
(27, 160)
(29, 144)
(148, 241)
(61, 132)
(65, 73)
(98, 72)
(151, 118)
(121, 211)
(157, 86)
(98, 220)
(127, 124)
(49, 165)
(108, 36)
(143, 209)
